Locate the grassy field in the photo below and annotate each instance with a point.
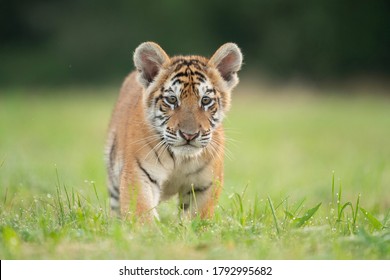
(306, 177)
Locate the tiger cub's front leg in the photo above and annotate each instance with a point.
(201, 199)
(138, 198)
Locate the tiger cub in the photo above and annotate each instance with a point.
(166, 136)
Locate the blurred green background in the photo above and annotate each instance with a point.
(62, 42)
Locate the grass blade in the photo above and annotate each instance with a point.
(289, 214)
(299, 206)
(356, 211)
(374, 221)
(341, 211)
(386, 219)
(5, 196)
(96, 193)
(68, 199)
(61, 206)
(333, 190)
(339, 207)
(309, 213)
(274, 215)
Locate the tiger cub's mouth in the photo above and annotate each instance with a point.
(185, 144)
(186, 149)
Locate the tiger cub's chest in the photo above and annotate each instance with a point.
(187, 175)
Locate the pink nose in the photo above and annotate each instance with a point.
(188, 136)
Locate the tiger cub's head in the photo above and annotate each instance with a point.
(186, 97)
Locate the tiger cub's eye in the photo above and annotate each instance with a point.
(171, 99)
(206, 100)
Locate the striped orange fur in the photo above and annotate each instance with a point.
(166, 136)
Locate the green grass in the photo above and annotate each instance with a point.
(306, 177)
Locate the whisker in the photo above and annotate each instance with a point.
(154, 137)
(212, 150)
(145, 145)
(164, 148)
(227, 151)
(155, 148)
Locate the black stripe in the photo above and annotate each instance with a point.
(114, 195)
(177, 81)
(113, 152)
(188, 62)
(219, 103)
(165, 122)
(171, 155)
(165, 119)
(197, 66)
(158, 98)
(116, 188)
(184, 206)
(178, 66)
(114, 208)
(201, 79)
(210, 90)
(212, 124)
(200, 75)
(195, 62)
(181, 74)
(147, 174)
(200, 169)
(155, 153)
(159, 117)
(199, 189)
(171, 137)
(162, 108)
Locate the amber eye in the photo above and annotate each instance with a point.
(171, 99)
(206, 100)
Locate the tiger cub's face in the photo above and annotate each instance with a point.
(187, 108)
(186, 97)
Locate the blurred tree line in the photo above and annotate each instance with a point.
(56, 42)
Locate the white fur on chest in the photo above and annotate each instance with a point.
(180, 176)
(186, 175)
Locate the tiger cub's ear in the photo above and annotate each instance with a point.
(148, 59)
(227, 59)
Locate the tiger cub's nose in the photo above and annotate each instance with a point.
(188, 136)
